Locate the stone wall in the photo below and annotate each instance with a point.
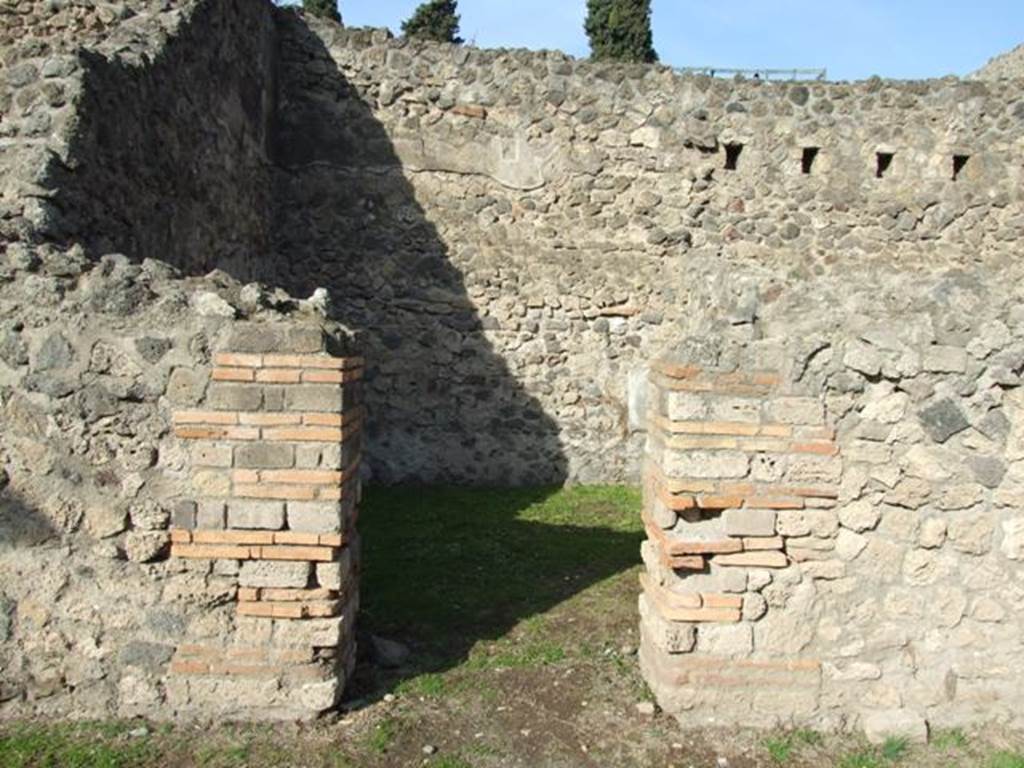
(517, 233)
(834, 509)
(514, 236)
(139, 128)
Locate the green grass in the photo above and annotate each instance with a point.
(895, 748)
(953, 738)
(430, 685)
(807, 737)
(75, 745)
(383, 735)
(1006, 760)
(860, 759)
(486, 565)
(780, 749)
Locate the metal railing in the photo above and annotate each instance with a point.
(758, 74)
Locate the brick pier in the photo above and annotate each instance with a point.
(274, 459)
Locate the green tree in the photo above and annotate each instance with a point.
(434, 20)
(620, 30)
(326, 8)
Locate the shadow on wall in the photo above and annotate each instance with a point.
(450, 570)
(169, 157)
(444, 407)
(21, 525)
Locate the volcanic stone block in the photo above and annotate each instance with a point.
(750, 522)
(266, 515)
(943, 419)
(314, 398)
(210, 515)
(334, 575)
(710, 464)
(315, 516)
(277, 573)
(234, 397)
(264, 456)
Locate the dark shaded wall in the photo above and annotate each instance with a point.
(169, 156)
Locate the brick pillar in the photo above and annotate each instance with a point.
(274, 459)
(735, 462)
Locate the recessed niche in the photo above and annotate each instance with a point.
(732, 156)
(810, 154)
(883, 163)
(959, 163)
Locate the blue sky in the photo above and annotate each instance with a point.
(853, 38)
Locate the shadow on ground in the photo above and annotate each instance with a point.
(446, 570)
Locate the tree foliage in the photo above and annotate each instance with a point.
(434, 20)
(620, 30)
(326, 8)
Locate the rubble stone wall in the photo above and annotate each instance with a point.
(139, 128)
(519, 233)
(514, 236)
(834, 510)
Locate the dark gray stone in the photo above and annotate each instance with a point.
(149, 656)
(234, 397)
(13, 349)
(315, 398)
(264, 456)
(943, 419)
(56, 353)
(95, 402)
(152, 349)
(799, 95)
(183, 515)
(165, 623)
(47, 384)
(994, 425)
(6, 618)
(988, 470)
(270, 337)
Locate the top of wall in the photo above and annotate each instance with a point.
(1005, 65)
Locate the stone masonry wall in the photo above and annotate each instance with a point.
(139, 128)
(833, 508)
(518, 233)
(516, 236)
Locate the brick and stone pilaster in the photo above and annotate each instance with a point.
(737, 466)
(273, 455)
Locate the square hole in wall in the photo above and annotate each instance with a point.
(883, 162)
(959, 163)
(810, 154)
(732, 156)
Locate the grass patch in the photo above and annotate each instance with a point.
(780, 749)
(783, 747)
(862, 758)
(1006, 760)
(952, 738)
(807, 737)
(429, 685)
(73, 745)
(383, 736)
(487, 564)
(895, 748)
